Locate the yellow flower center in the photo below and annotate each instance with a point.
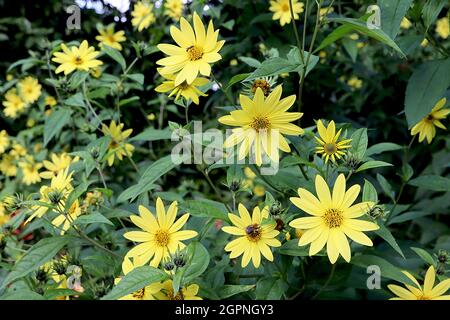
(194, 53)
(139, 294)
(423, 298)
(253, 232)
(260, 123)
(162, 238)
(330, 148)
(263, 84)
(78, 60)
(430, 118)
(333, 218)
(183, 86)
(111, 38)
(285, 7)
(113, 144)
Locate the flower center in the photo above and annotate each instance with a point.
(285, 7)
(260, 123)
(78, 60)
(183, 86)
(139, 294)
(162, 238)
(194, 53)
(330, 148)
(113, 144)
(253, 232)
(178, 296)
(430, 118)
(263, 84)
(333, 218)
(423, 298)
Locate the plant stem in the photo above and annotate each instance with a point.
(294, 27)
(330, 277)
(230, 99)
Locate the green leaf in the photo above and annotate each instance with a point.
(75, 100)
(386, 186)
(431, 11)
(426, 87)
(138, 77)
(152, 134)
(392, 13)
(359, 143)
(377, 34)
(36, 256)
(369, 192)
(351, 48)
(409, 216)
(23, 294)
(55, 122)
(92, 218)
(270, 289)
(291, 248)
(52, 294)
(252, 62)
(206, 208)
(382, 147)
(337, 34)
(236, 79)
(387, 269)
(230, 290)
(115, 55)
(431, 182)
(384, 233)
(373, 164)
(198, 261)
(135, 280)
(424, 255)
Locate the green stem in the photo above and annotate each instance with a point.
(330, 277)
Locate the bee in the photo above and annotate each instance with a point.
(253, 231)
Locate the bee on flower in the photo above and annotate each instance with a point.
(196, 49)
(117, 147)
(76, 58)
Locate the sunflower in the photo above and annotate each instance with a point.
(194, 53)
(334, 218)
(29, 89)
(443, 27)
(188, 91)
(4, 141)
(142, 14)
(59, 189)
(256, 236)
(330, 147)
(417, 292)
(174, 9)
(186, 293)
(30, 171)
(110, 38)
(146, 293)
(282, 10)
(64, 221)
(161, 236)
(262, 122)
(426, 127)
(14, 104)
(76, 58)
(57, 163)
(117, 147)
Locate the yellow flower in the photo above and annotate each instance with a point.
(424, 43)
(146, 293)
(426, 128)
(30, 170)
(9, 77)
(325, 11)
(7, 167)
(29, 89)
(355, 82)
(18, 151)
(142, 15)
(417, 292)
(151, 117)
(354, 36)
(58, 163)
(50, 101)
(282, 11)
(188, 293)
(4, 141)
(405, 24)
(161, 236)
(174, 9)
(233, 62)
(96, 72)
(249, 173)
(330, 147)
(194, 53)
(117, 147)
(188, 91)
(81, 58)
(64, 221)
(59, 189)
(4, 216)
(259, 190)
(334, 218)
(256, 236)
(30, 123)
(110, 38)
(262, 122)
(443, 27)
(14, 105)
(299, 233)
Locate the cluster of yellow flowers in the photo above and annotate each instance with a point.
(18, 99)
(143, 16)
